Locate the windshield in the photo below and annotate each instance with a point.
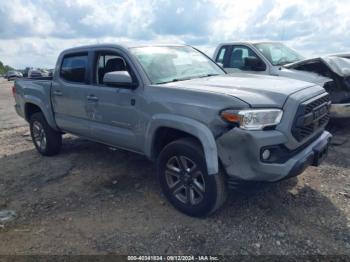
(278, 53)
(174, 63)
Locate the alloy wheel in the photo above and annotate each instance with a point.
(39, 135)
(185, 180)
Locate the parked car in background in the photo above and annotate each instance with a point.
(206, 130)
(336, 68)
(266, 58)
(26, 71)
(273, 58)
(37, 73)
(45, 72)
(12, 75)
(34, 73)
(50, 72)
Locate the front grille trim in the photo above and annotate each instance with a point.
(307, 122)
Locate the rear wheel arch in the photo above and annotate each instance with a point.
(30, 109)
(32, 106)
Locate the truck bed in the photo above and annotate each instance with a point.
(33, 90)
(37, 78)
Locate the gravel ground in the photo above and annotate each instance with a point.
(93, 200)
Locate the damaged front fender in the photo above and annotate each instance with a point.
(239, 152)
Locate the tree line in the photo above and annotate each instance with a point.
(4, 68)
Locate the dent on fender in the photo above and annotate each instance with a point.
(239, 150)
(231, 159)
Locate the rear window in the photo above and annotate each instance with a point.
(73, 68)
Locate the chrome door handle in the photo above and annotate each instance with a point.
(92, 98)
(57, 93)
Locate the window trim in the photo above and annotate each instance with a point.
(83, 53)
(227, 55)
(218, 54)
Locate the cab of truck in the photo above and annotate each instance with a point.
(268, 58)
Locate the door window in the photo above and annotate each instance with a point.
(221, 55)
(238, 58)
(108, 63)
(73, 68)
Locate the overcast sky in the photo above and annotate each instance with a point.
(33, 32)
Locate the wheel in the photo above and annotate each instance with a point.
(46, 140)
(185, 181)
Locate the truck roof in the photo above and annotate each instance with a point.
(120, 46)
(249, 42)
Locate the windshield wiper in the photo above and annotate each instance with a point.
(187, 78)
(207, 75)
(175, 80)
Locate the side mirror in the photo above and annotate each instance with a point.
(119, 79)
(254, 64)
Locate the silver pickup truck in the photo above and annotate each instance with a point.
(206, 130)
(273, 58)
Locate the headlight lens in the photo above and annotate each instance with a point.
(254, 119)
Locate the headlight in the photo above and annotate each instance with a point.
(254, 119)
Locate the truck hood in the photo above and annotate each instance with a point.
(256, 90)
(303, 76)
(339, 65)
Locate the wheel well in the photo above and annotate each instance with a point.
(31, 109)
(166, 135)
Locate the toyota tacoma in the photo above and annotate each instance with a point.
(206, 130)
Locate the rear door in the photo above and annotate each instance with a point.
(69, 94)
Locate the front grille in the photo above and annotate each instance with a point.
(311, 116)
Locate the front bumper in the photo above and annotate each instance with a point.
(340, 110)
(240, 151)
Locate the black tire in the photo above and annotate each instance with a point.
(208, 200)
(53, 139)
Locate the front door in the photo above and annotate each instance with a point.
(112, 110)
